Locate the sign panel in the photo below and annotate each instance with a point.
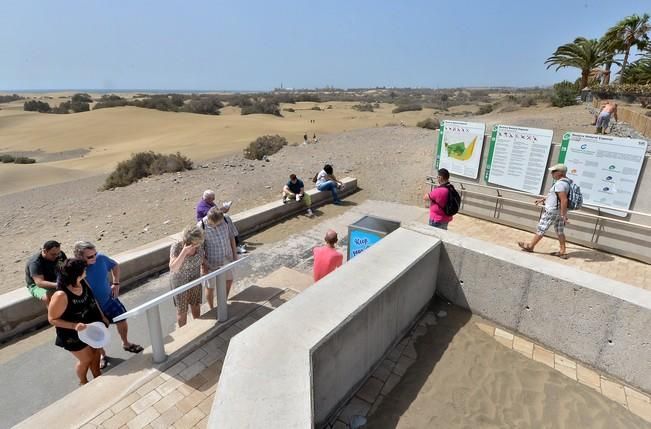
(360, 241)
(459, 147)
(518, 156)
(606, 168)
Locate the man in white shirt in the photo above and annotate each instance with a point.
(555, 211)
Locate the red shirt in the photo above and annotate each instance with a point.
(438, 198)
(326, 260)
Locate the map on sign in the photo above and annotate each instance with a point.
(517, 157)
(606, 168)
(459, 147)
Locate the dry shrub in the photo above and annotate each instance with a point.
(264, 146)
(429, 123)
(144, 164)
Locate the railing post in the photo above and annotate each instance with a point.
(156, 335)
(222, 298)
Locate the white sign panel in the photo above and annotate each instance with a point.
(606, 168)
(459, 147)
(518, 157)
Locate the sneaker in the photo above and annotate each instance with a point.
(241, 248)
(285, 200)
(309, 213)
(298, 197)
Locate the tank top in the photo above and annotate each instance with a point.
(81, 309)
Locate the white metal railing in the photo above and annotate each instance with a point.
(151, 307)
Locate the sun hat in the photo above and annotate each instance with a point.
(95, 335)
(558, 167)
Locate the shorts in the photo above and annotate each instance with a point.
(549, 218)
(212, 283)
(440, 225)
(603, 120)
(113, 308)
(39, 292)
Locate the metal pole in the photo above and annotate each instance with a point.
(222, 298)
(156, 335)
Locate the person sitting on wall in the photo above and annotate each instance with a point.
(295, 190)
(326, 181)
(326, 258)
(207, 202)
(41, 271)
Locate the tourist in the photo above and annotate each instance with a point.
(305, 138)
(41, 271)
(555, 211)
(603, 119)
(326, 181)
(186, 258)
(437, 199)
(219, 250)
(97, 270)
(207, 202)
(224, 207)
(326, 258)
(73, 306)
(314, 139)
(295, 190)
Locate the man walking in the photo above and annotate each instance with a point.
(97, 269)
(294, 189)
(207, 202)
(326, 258)
(555, 212)
(219, 250)
(41, 271)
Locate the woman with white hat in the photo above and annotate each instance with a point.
(71, 309)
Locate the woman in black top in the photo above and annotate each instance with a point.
(72, 306)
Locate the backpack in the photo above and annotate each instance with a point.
(574, 196)
(453, 203)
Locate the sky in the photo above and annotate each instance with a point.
(261, 44)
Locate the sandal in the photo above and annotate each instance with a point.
(103, 362)
(133, 348)
(560, 255)
(525, 247)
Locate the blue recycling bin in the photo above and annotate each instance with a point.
(366, 232)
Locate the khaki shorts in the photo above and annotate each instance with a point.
(212, 283)
(39, 292)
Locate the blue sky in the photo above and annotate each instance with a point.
(256, 45)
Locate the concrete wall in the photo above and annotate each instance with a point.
(293, 368)
(625, 240)
(19, 312)
(598, 321)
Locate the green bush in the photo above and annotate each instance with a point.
(429, 123)
(110, 100)
(10, 98)
(82, 98)
(264, 146)
(36, 106)
(364, 107)
(144, 164)
(266, 107)
(205, 105)
(6, 159)
(24, 160)
(484, 109)
(407, 108)
(565, 94)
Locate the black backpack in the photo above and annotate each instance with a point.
(453, 203)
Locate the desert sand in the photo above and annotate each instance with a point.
(390, 163)
(465, 379)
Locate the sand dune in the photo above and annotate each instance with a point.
(15, 178)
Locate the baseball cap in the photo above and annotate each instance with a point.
(558, 167)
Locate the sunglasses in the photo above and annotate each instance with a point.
(93, 256)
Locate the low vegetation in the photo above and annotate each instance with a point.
(429, 123)
(407, 108)
(266, 107)
(144, 164)
(10, 98)
(264, 146)
(565, 94)
(485, 109)
(364, 107)
(7, 159)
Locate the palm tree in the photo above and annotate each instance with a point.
(638, 72)
(630, 31)
(612, 46)
(584, 54)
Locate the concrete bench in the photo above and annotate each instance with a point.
(19, 312)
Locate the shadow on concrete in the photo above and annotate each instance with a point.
(590, 255)
(430, 349)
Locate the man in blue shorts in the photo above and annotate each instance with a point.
(97, 270)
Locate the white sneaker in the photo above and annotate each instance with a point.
(241, 249)
(309, 213)
(298, 197)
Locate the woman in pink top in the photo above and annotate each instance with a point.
(438, 198)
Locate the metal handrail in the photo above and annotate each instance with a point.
(497, 189)
(151, 307)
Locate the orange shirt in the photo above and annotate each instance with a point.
(326, 260)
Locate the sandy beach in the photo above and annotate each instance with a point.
(465, 379)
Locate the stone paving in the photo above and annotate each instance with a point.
(390, 371)
(604, 264)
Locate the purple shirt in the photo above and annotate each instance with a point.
(202, 209)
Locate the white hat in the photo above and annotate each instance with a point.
(558, 167)
(226, 204)
(95, 335)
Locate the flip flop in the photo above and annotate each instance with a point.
(103, 362)
(559, 255)
(133, 348)
(525, 247)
